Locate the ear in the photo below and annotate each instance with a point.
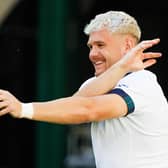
(129, 43)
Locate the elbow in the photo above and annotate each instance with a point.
(86, 111)
(86, 116)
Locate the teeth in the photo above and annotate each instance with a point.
(98, 62)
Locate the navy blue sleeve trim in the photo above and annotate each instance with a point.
(126, 97)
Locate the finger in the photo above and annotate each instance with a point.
(153, 41)
(2, 91)
(3, 104)
(149, 63)
(2, 98)
(4, 111)
(147, 44)
(152, 55)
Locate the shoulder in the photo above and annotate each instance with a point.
(142, 75)
(142, 83)
(143, 78)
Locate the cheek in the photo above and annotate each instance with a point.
(112, 60)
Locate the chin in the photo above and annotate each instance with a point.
(98, 73)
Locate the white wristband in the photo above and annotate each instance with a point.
(27, 111)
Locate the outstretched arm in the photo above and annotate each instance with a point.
(79, 108)
(134, 60)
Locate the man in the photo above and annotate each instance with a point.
(124, 102)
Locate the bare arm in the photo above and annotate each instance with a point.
(78, 109)
(69, 110)
(132, 61)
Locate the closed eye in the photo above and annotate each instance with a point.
(100, 44)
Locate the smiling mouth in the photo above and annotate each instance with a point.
(99, 66)
(98, 63)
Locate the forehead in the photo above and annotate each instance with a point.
(104, 36)
(99, 35)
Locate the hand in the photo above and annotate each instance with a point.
(9, 104)
(136, 59)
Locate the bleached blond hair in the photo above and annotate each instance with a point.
(116, 22)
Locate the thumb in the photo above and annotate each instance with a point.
(149, 63)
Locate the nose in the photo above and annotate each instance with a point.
(93, 54)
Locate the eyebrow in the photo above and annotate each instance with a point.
(88, 44)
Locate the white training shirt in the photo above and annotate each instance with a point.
(139, 139)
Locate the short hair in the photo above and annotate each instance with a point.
(116, 22)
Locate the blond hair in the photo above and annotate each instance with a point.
(116, 22)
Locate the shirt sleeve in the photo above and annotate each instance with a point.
(128, 100)
(139, 91)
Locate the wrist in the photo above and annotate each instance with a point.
(124, 66)
(27, 111)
